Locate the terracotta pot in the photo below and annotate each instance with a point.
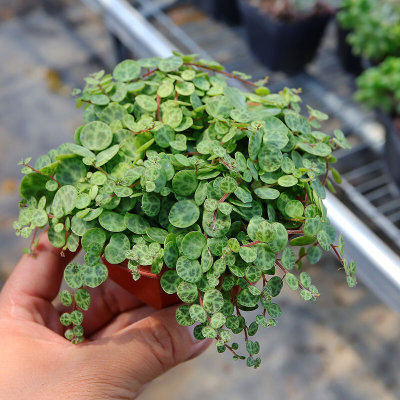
(147, 288)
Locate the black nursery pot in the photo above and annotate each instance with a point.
(392, 145)
(282, 46)
(350, 63)
(222, 10)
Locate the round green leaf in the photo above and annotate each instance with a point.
(274, 310)
(303, 240)
(151, 204)
(292, 281)
(183, 316)
(64, 201)
(169, 281)
(82, 298)
(116, 248)
(184, 213)
(170, 64)
(65, 319)
(76, 317)
(57, 239)
(39, 218)
(217, 320)
(96, 135)
(171, 254)
(198, 313)
(185, 183)
(213, 301)
(287, 181)
(126, 70)
(187, 292)
(147, 103)
(248, 254)
(281, 237)
(72, 275)
(189, 270)
(112, 221)
(94, 235)
(228, 185)
(94, 276)
(294, 209)
(70, 171)
(246, 299)
(270, 158)
(288, 258)
(267, 193)
(66, 298)
(136, 223)
(193, 244)
(275, 285)
(185, 88)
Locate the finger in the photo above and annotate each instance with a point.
(146, 349)
(122, 321)
(36, 277)
(107, 301)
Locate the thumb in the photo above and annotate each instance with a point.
(146, 349)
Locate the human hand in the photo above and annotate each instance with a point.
(129, 344)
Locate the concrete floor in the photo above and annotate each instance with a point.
(344, 347)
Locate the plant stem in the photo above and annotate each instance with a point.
(158, 108)
(251, 244)
(300, 284)
(222, 72)
(295, 232)
(246, 335)
(337, 254)
(40, 173)
(326, 172)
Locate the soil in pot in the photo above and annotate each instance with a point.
(221, 10)
(350, 63)
(280, 45)
(392, 145)
(147, 288)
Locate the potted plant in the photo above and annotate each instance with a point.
(379, 88)
(175, 175)
(222, 10)
(349, 61)
(285, 34)
(373, 28)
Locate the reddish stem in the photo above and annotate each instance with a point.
(158, 108)
(295, 232)
(223, 73)
(337, 254)
(40, 173)
(251, 244)
(326, 172)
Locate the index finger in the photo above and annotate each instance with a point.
(37, 277)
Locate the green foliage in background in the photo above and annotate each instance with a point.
(221, 190)
(379, 87)
(374, 25)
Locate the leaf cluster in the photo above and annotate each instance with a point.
(220, 190)
(374, 25)
(379, 87)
